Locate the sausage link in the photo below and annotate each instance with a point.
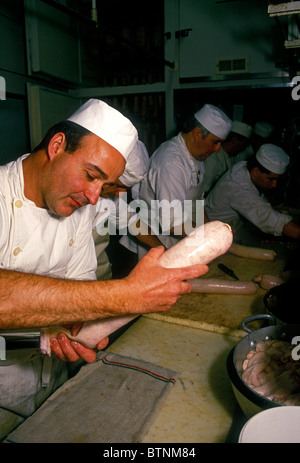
(216, 285)
(252, 252)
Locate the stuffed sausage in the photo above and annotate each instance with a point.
(200, 247)
(252, 252)
(219, 286)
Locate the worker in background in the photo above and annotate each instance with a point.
(238, 198)
(216, 165)
(108, 218)
(176, 173)
(48, 260)
(263, 133)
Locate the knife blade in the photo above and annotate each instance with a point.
(228, 271)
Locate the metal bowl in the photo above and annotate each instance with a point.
(249, 401)
(281, 301)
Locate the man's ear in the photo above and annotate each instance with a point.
(254, 172)
(56, 145)
(197, 134)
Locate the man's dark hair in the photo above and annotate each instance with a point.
(236, 135)
(74, 134)
(253, 162)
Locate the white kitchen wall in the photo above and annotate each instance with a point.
(224, 29)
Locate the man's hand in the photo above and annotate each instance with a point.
(70, 351)
(153, 288)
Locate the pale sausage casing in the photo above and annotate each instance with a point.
(252, 252)
(202, 246)
(267, 281)
(219, 286)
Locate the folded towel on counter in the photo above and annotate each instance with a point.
(113, 400)
(8, 422)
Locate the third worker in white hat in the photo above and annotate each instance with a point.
(238, 198)
(176, 173)
(262, 134)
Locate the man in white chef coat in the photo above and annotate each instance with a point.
(176, 173)
(217, 164)
(47, 252)
(240, 195)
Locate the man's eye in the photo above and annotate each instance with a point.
(89, 176)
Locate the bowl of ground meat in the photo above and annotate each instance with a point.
(264, 367)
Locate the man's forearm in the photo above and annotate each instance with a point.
(28, 300)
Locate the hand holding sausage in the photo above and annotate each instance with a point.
(155, 284)
(157, 288)
(70, 351)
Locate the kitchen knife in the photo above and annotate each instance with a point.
(228, 271)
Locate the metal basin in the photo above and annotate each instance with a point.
(249, 401)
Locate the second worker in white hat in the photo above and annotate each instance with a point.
(176, 173)
(114, 198)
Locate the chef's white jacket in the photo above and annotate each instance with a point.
(33, 240)
(235, 196)
(173, 175)
(215, 166)
(111, 215)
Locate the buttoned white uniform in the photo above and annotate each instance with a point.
(235, 195)
(35, 241)
(215, 166)
(111, 214)
(174, 174)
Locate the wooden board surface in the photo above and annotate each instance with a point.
(222, 313)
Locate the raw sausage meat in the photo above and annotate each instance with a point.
(202, 246)
(268, 281)
(271, 372)
(216, 285)
(252, 252)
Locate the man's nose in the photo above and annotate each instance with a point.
(274, 183)
(93, 193)
(217, 147)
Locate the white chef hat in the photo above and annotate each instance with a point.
(214, 120)
(107, 123)
(136, 165)
(241, 128)
(273, 158)
(263, 129)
